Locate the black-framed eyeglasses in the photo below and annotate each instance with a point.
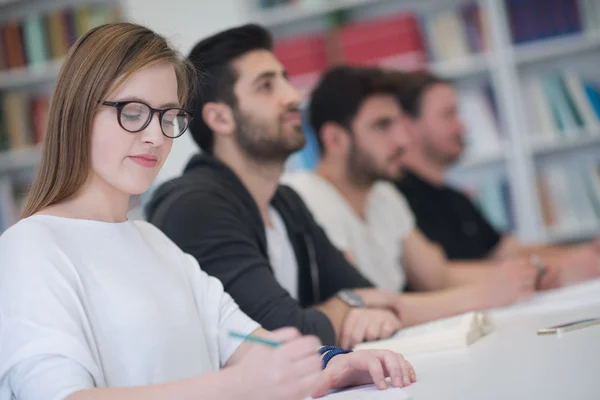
(135, 116)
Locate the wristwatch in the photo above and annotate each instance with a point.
(351, 298)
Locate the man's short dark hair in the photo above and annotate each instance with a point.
(340, 93)
(412, 87)
(212, 57)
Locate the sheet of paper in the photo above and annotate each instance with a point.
(369, 392)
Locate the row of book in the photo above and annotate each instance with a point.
(456, 33)
(561, 106)
(532, 20)
(569, 195)
(407, 40)
(23, 119)
(558, 107)
(40, 38)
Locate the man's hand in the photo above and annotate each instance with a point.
(367, 366)
(511, 281)
(363, 324)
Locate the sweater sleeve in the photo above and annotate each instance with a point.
(44, 352)
(335, 271)
(209, 227)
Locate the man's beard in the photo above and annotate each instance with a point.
(363, 169)
(441, 158)
(264, 143)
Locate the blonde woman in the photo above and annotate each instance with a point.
(95, 306)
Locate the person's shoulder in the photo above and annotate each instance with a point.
(386, 196)
(27, 231)
(388, 193)
(152, 233)
(27, 247)
(300, 179)
(312, 188)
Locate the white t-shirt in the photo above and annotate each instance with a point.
(375, 244)
(88, 304)
(281, 254)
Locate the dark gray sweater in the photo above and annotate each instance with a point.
(210, 214)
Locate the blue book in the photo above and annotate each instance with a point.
(592, 95)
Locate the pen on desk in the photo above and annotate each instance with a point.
(254, 339)
(570, 326)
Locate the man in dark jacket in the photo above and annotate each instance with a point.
(228, 210)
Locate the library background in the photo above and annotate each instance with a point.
(526, 70)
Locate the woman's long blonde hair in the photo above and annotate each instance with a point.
(94, 63)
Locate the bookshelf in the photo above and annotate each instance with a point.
(521, 147)
(34, 38)
(29, 76)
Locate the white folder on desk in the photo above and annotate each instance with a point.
(444, 334)
(370, 392)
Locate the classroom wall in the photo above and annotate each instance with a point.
(190, 21)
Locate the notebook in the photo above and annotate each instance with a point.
(370, 392)
(445, 334)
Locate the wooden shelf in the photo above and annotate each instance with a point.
(27, 76)
(462, 67)
(565, 145)
(296, 12)
(546, 49)
(490, 159)
(12, 160)
(571, 233)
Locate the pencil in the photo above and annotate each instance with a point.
(254, 339)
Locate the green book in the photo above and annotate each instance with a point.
(570, 102)
(35, 44)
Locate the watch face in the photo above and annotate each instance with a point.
(351, 298)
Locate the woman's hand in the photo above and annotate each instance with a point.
(290, 371)
(364, 367)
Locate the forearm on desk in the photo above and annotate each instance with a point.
(417, 308)
(336, 310)
(466, 272)
(215, 385)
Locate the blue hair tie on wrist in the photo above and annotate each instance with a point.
(330, 352)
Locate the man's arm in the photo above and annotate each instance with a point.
(335, 271)
(428, 268)
(209, 227)
(454, 288)
(510, 246)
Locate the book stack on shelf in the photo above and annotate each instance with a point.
(533, 20)
(456, 33)
(562, 106)
(402, 40)
(570, 197)
(22, 120)
(34, 39)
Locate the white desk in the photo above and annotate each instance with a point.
(514, 362)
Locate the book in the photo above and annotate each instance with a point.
(450, 333)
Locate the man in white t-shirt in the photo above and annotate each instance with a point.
(360, 128)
